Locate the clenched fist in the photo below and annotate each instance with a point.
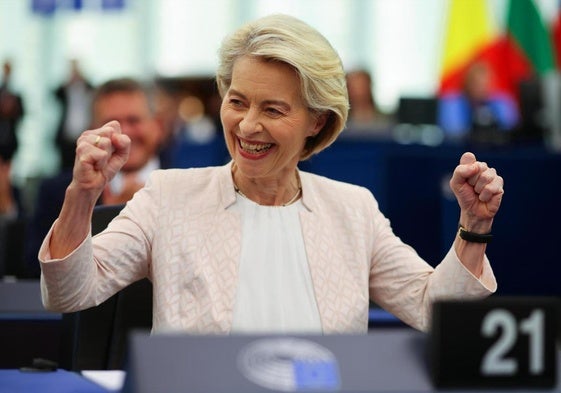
(479, 191)
(100, 154)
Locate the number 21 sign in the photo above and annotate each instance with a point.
(496, 342)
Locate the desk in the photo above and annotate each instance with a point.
(22, 296)
(397, 365)
(27, 330)
(387, 360)
(60, 381)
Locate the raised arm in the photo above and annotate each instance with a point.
(100, 154)
(479, 191)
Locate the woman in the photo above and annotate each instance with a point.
(257, 245)
(364, 113)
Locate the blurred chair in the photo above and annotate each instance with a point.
(12, 248)
(417, 121)
(96, 338)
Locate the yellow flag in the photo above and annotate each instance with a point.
(469, 30)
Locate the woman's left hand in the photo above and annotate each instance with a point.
(479, 191)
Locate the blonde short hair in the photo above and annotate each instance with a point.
(289, 40)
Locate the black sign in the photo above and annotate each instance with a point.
(496, 342)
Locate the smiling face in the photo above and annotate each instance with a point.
(265, 120)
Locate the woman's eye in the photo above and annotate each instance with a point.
(274, 111)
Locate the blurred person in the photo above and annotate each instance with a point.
(9, 205)
(258, 245)
(192, 133)
(166, 109)
(11, 114)
(477, 109)
(196, 141)
(12, 223)
(129, 102)
(12, 212)
(74, 97)
(198, 126)
(364, 114)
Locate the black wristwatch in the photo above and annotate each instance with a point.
(474, 237)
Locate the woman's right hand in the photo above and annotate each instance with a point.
(100, 154)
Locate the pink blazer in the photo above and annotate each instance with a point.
(181, 232)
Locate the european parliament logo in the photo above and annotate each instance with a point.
(290, 365)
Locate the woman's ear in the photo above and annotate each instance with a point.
(321, 119)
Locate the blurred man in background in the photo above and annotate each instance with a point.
(478, 111)
(11, 114)
(129, 102)
(12, 215)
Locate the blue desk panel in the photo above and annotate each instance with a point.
(60, 381)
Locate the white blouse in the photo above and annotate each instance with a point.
(275, 292)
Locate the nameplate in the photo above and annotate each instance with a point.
(499, 342)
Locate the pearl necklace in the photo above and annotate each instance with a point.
(290, 202)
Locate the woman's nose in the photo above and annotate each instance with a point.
(250, 122)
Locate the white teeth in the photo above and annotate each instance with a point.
(255, 147)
